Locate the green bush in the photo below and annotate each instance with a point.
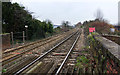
(4, 70)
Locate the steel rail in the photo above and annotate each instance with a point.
(59, 69)
(16, 56)
(24, 68)
(14, 49)
(26, 45)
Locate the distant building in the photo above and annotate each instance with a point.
(55, 26)
(78, 24)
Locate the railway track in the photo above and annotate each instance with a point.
(71, 61)
(19, 49)
(28, 59)
(24, 49)
(51, 56)
(8, 51)
(68, 66)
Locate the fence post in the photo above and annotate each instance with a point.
(12, 39)
(23, 37)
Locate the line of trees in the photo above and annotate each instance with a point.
(15, 17)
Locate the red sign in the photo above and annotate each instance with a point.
(92, 29)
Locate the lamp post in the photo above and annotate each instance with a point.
(26, 26)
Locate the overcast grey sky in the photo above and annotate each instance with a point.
(73, 11)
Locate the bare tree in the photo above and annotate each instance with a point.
(99, 14)
(65, 25)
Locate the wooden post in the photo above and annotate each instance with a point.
(12, 39)
(26, 26)
(23, 37)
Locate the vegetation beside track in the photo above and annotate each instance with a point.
(16, 17)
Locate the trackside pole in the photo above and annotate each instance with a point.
(12, 39)
(23, 37)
